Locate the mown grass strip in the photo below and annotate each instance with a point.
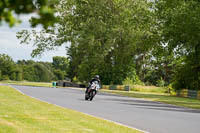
(26, 83)
(21, 114)
(164, 98)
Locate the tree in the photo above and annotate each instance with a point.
(13, 76)
(61, 63)
(19, 75)
(7, 65)
(37, 72)
(34, 71)
(178, 23)
(43, 74)
(43, 8)
(25, 62)
(29, 73)
(59, 74)
(103, 36)
(161, 64)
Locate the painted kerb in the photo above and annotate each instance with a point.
(192, 93)
(188, 93)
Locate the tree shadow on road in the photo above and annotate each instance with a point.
(153, 105)
(173, 100)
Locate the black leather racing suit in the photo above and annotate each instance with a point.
(90, 83)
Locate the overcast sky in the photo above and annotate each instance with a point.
(10, 45)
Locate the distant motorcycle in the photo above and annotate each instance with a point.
(92, 91)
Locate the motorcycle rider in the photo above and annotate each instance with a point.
(96, 78)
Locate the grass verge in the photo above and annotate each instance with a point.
(42, 84)
(153, 89)
(22, 114)
(164, 98)
(139, 88)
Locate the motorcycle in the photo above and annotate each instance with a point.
(92, 91)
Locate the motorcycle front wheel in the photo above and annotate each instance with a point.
(92, 94)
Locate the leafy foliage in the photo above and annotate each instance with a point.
(43, 8)
(155, 42)
(104, 36)
(59, 74)
(6, 66)
(61, 65)
(37, 72)
(30, 70)
(160, 83)
(179, 26)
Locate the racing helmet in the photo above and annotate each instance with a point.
(96, 77)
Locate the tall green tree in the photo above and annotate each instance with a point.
(61, 63)
(43, 74)
(178, 23)
(104, 36)
(59, 75)
(160, 65)
(37, 72)
(7, 66)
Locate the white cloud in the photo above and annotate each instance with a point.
(10, 45)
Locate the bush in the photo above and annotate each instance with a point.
(148, 83)
(132, 79)
(127, 81)
(160, 83)
(154, 89)
(187, 74)
(171, 90)
(75, 80)
(5, 77)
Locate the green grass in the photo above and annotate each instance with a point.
(22, 114)
(141, 88)
(165, 98)
(154, 89)
(43, 84)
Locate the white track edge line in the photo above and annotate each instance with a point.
(81, 112)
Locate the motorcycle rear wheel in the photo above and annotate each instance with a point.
(86, 97)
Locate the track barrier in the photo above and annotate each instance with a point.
(195, 94)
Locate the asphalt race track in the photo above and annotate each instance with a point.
(145, 115)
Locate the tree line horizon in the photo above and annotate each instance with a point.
(140, 41)
(44, 71)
